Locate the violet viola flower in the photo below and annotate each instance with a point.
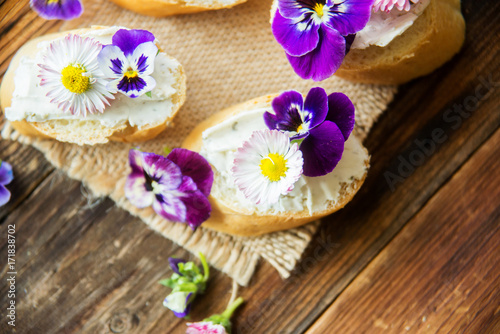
(57, 9)
(129, 62)
(313, 33)
(6, 177)
(186, 283)
(177, 186)
(321, 123)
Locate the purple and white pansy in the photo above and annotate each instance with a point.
(316, 34)
(186, 283)
(129, 62)
(176, 186)
(57, 9)
(321, 124)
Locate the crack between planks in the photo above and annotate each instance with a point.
(398, 231)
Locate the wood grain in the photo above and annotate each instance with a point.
(442, 271)
(94, 269)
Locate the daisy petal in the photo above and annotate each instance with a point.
(341, 112)
(322, 149)
(316, 105)
(195, 166)
(322, 62)
(129, 40)
(296, 37)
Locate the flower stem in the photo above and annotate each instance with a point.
(206, 269)
(231, 308)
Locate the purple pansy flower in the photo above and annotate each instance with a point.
(313, 33)
(177, 186)
(57, 9)
(322, 123)
(6, 177)
(186, 283)
(129, 62)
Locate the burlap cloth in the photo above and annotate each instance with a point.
(230, 56)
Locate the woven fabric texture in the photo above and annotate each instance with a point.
(229, 56)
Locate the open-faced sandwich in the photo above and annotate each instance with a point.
(370, 41)
(91, 86)
(280, 161)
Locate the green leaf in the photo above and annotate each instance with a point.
(148, 94)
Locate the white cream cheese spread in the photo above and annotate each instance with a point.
(384, 27)
(221, 141)
(29, 101)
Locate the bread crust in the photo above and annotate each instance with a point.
(431, 41)
(121, 133)
(231, 220)
(412, 54)
(160, 8)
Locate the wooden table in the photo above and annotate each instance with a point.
(416, 251)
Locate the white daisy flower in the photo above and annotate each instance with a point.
(71, 72)
(267, 166)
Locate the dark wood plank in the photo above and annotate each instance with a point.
(90, 269)
(442, 271)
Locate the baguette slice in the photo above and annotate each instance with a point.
(431, 41)
(161, 8)
(229, 218)
(84, 131)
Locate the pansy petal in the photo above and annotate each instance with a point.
(294, 9)
(287, 107)
(174, 264)
(296, 37)
(59, 10)
(129, 40)
(179, 303)
(341, 112)
(135, 161)
(136, 192)
(198, 208)
(322, 149)
(135, 87)
(195, 166)
(4, 195)
(316, 105)
(349, 17)
(162, 170)
(143, 58)
(170, 207)
(6, 174)
(349, 39)
(322, 62)
(112, 61)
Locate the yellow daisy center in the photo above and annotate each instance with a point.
(131, 73)
(273, 167)
(74, 80)
(318, 8)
